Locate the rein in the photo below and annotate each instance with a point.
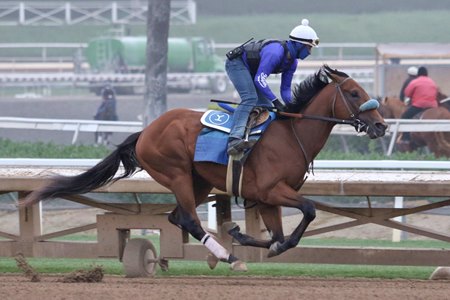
(320, 118)
(355, 122)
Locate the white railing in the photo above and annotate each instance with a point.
(318, 164)
(197, 80)
(329, 51)
(77, 126)
(71, 52)
(13, 13)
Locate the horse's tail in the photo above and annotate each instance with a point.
(97, 176)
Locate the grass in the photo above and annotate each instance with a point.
(335, 242)
(199, 268)
(384, 27)
(11, 149)
(310, 242)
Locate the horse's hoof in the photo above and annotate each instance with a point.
(163, 264)
(239, 266)
(230, 227)
(274, 249)
(212, 261)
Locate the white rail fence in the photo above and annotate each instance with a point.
(318, 164)
(76, 126)
(58, 13)
(335, 165)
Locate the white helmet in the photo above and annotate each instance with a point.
(304, 34)
(413, 71)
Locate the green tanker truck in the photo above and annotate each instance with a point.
(192, 62)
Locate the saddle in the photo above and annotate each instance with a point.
(212, 141)
(223, 120)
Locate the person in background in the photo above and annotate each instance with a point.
(106, 112)
(248, 67)
(412, 74)
(422, 91)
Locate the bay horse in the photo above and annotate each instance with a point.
(437, 142)
(273, 172)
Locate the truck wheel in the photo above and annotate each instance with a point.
(219, 85)
(139, 258)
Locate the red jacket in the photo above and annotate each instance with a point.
(422, 91)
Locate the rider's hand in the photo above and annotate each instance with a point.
(279, 106)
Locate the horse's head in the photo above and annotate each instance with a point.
(391, 107)
(355, 104)
(341, 98)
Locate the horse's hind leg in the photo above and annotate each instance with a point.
(271, 216)
(185, 217)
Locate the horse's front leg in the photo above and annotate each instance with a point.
(271, 216)
(290, 198)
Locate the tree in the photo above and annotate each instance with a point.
(155, 97)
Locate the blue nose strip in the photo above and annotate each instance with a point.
(369, 105)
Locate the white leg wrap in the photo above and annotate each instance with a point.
(218, 250)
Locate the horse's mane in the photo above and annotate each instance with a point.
(305, 91)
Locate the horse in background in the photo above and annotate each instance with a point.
(443, 100)
(437, 142)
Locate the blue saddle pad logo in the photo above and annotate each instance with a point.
(223, 121)
(219, 119)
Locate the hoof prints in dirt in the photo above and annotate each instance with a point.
(95, 274)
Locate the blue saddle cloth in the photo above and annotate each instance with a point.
(212, 141)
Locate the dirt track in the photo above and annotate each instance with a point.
(18, 287)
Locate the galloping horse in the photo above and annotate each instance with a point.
(437, 142)
(273, 172)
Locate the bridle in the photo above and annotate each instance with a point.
(353, 116)
(354, 121)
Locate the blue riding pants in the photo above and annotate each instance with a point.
(410, 112)
(250, 97)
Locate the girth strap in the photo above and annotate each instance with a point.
(234, 175)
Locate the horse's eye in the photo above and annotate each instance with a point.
(354, 94)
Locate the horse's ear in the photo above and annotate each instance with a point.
(328, 72)
(323, 75)
(333, 74)
(384, 100)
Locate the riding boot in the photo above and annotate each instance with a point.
(239, 145)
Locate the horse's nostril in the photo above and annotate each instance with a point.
(382, 126)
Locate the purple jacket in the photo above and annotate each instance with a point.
(272, 58)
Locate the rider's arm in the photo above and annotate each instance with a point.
(410, 89)
(286, 81)
(271, 55)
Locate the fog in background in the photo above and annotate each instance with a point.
(239, 7)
